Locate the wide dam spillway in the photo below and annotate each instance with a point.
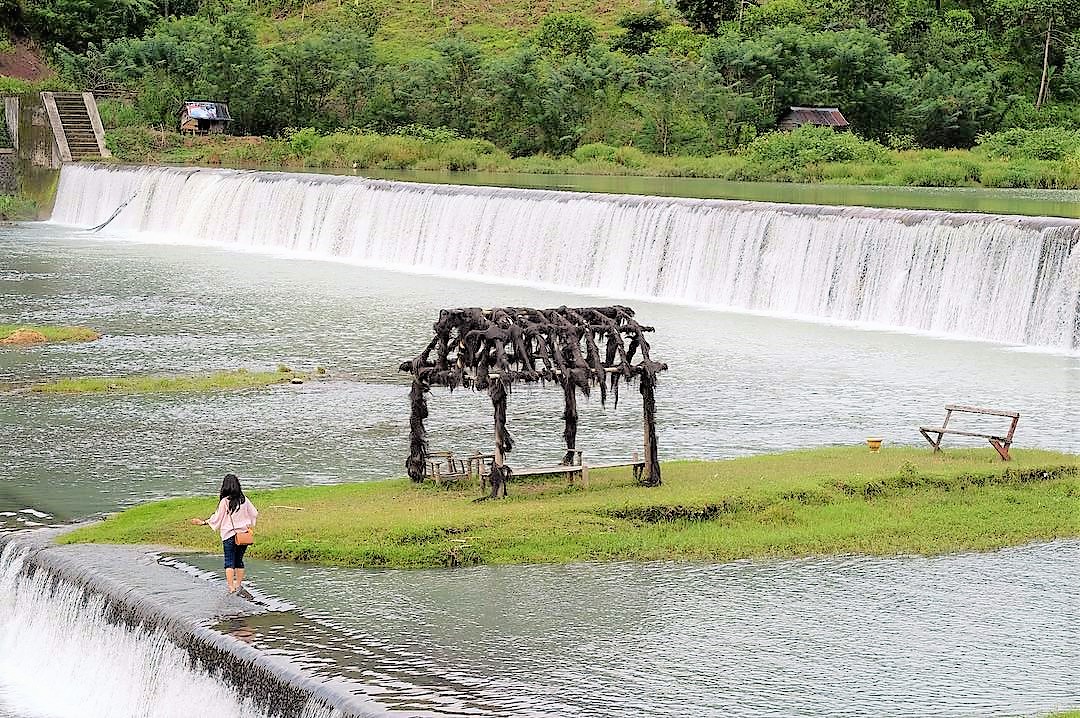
(1005, 279)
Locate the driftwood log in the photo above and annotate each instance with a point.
(492, 349)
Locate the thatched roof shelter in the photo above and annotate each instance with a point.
(492, 349)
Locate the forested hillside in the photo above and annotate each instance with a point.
(682, 77)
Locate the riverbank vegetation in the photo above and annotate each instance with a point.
(806, 155)
(27, 334)
(233, 380)
(824, 501)
(939, 92)
(16, 208)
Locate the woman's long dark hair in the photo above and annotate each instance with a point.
(230, 489)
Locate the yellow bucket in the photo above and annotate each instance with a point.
(874, 444)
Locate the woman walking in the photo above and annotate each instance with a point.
(234, 515)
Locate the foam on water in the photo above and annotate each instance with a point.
(64, 654)
(1006, 279)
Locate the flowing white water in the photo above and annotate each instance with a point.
(61, 657)
(1005, 279)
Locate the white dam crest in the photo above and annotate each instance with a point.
(1006, 279)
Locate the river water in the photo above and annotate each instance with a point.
(738, 383)
(971, 635)
(987, 634)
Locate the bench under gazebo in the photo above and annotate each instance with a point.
(493, 349)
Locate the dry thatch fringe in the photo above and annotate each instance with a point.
(490, 350)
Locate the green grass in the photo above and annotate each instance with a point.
(16, 208)
(408, 27)
(53, 333)
(824, 501)
(349, 150)
(215, 381)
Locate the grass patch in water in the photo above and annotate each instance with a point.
(43, 334)
(214, 381)
(824, 501)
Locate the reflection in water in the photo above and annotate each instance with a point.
(975, 635)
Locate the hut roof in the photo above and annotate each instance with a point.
(206, 110)
(819, 116)
(592, 346)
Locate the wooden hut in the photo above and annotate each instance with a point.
(814, 116)
(204, 117)
(574, 349)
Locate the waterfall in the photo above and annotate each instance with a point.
(1005, 279)
(66, 651)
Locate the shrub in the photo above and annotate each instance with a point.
(428, 134)
(1048, 143)
(459, 159)
(812, 145)
(595, 151)
(631, 157)
(302, 142)
(17, 208)
(1032, 174)
(135, 144)
(566, 34)
(115, 113)
(939, 172)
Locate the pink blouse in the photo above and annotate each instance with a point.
(229, 525)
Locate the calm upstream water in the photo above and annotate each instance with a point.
(1032, 202)
(971, 635)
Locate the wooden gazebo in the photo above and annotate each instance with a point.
(492, 349)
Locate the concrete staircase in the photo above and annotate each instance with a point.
(76, 125)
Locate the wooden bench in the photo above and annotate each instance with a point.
(578, 467)
(1000, 443)
(443, 468)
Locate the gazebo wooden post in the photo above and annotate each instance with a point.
(418, 448)
(570, 417)
(651, 475)
(500, 472)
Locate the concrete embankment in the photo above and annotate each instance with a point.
(127, 634)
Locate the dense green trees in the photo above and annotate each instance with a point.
(695, 76)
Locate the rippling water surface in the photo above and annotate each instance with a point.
(973, 635)
(990, 634)
(738, 383)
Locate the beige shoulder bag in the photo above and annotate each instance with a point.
(245, 537)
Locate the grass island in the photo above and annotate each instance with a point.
(27, 334)
(228, 380)
(835, 500)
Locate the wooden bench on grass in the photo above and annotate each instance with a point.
(443, 468)
(1000, 443)
(578, 467)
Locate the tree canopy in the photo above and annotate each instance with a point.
(696, 77)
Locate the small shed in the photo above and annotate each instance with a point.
(815, 117)
(204, 117)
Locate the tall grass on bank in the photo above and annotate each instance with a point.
(812, 155)
(824, 501)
